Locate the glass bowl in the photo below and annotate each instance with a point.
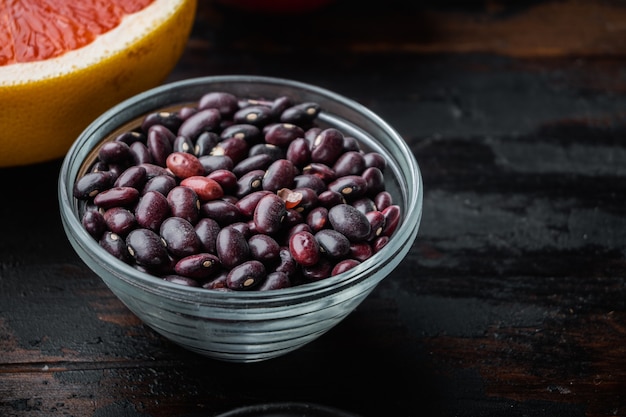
(246, 326)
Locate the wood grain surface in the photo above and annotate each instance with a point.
(512, 300)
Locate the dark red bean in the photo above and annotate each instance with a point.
(332, 243)
(392, 219)
(286, 235)
(159, 143)
(273, 151)
(205, 143)
(215, 162)
(327, 146)
(343, 266)
(248, 132)
(287, 264)
(184, 203)
(350, 222)
(147, 248)
(350, 143)
(115, 245)
(246, 276)
(269, 214)
(114, 152)
(320, 270)
(180, 237)
(330, 198)
(198, 266)
(226, 103)
(382, 200)
(301, 114)
(249, 182)
(364, 205)
(304, 248)
(153, 170)
(232, 247)
(186, 112)
(207, 230)
(223, 212)
(204, 120)
(374, 159)
(310, 181)
(243, 227)
(248, 203)
(91, 184)
(257, 115)
(117, 196)
(181, 280)
(235, 148)
(299, 152)
(160, 183)
(360, 251)
(317, 219)
(275, 281)
(218, 282)
(140, 153)
(349, 163)
(324, 172)
(93, 221)
(151, 210)
(308, 199)
(279, 174)
(120, 220)
(351, 187)
(292, 218)
(311, 133)
(282, 134)
(377, 223)
(225, 178)
(134, 176)
(279, 105)
(171, 120)
(130, 137)
(252, 163)
(264, 248)
(183, 144)
(374, 180)
(379, 243)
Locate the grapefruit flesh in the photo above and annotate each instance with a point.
(63, 63)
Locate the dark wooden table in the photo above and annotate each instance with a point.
(512, 300)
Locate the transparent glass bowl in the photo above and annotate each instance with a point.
(246, 326)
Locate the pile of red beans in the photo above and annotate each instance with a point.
(235, 193)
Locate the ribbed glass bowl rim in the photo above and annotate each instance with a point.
(404, 235)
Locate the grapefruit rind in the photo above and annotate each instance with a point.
(46, 104)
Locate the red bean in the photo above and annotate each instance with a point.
(304, 248)
(205, 187)
(184, 165)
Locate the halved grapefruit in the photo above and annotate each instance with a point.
(64, 62)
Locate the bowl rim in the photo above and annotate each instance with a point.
(405, 234)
